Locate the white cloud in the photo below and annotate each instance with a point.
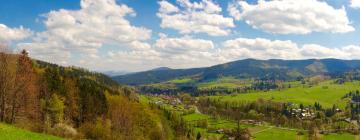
(259, 48)
(183, 52)
(352, 51)
(318, 51)
(292, 16)
(167, 8)
(195, 17)
(355, 4)
(74, 37)
(84, 31)
(188, 52)
(8, 35)
(183, 45)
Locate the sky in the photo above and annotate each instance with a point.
(137, 35)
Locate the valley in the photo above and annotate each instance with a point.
(75, 103)
(316, 101)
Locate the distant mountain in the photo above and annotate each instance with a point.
(247, 68)
(161, 68)
(115, 73)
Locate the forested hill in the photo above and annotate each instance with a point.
(73, 102)
(77, 72)
(248, 68)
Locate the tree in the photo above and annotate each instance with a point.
(314, 133)
(6, 80)
(241, 134)
(24, 98)
(198, 136)
(71, 111)
(55, 109)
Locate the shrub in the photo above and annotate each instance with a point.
(63, 130)
(101, 129)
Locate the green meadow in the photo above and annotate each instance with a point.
(8, 132)
(224, 82)
(326, 93)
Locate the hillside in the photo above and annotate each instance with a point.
(248, 68)
(73, 103)
(8, 132)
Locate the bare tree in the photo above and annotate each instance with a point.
(6, 79)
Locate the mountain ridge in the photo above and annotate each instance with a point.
(247, 68)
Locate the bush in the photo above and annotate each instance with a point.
(300, 133)
(99, 130)
(202, 123)
(63, 130)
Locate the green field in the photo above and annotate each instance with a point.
(181, 80)
(8, 132)
(224, 82)
(279, 134)
(260, 132)
(326, 93)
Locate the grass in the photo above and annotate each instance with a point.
(278, 134)
(326, 93)
(181, 80)
(8, 132)
(224, 82)
(195, 116)
(339, 137)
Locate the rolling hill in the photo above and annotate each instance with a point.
(247, 68)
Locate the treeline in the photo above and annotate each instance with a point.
(310, 117)
(354, 104)
(348, 77)
(256, 85)
(73, 103)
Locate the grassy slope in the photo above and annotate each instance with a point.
(224, 82)
(278, 134)
(8, 132)
(181, 80)
(326, 93)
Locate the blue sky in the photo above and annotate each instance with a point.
(146, 37)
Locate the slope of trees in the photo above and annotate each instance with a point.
(74, 103)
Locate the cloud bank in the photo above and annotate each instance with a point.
(292, 16)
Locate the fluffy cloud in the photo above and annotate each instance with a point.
(259, 48)
(195, 17)
(183, 45)
(292, 16)
(8, 35)
(183, 52)
(355, 3)
(84, 31)
(318, 51)
(186, 51)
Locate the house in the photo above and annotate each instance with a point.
(158, 102)
(220, 131)
(351, 121)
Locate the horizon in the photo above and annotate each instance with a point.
(124, 35)
(132, 72)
